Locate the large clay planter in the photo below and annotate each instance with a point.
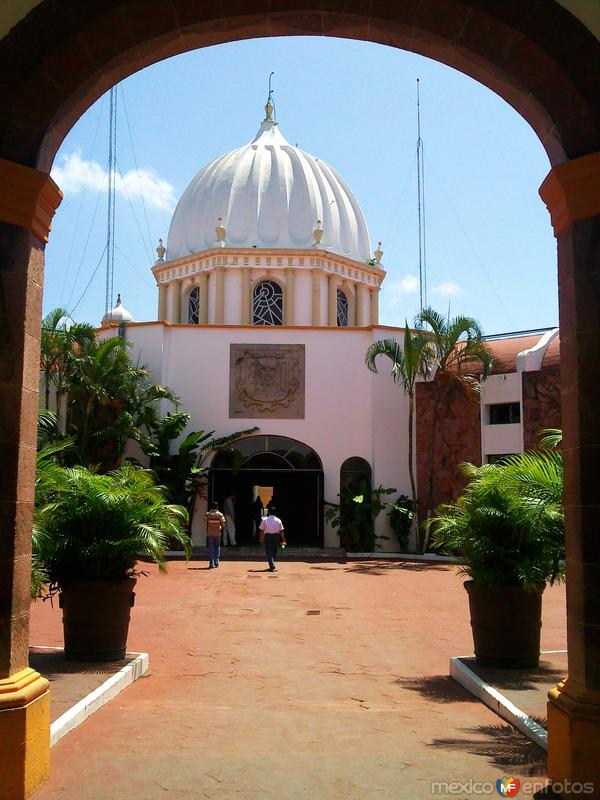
(506, 623)
(96, 619)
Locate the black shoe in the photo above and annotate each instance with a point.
(211, 566)
(217, 564)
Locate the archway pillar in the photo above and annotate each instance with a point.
(572, 193)
(219, 295)
(28, 200)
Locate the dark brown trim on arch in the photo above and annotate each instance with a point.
(63, 55)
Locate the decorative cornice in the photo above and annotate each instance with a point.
(28, 198)
(571, 191)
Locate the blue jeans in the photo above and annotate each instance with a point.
(214, 550)
(271, 545)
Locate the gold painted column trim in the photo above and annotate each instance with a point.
(246, 281)
(375, 305)
(333, 287)
(316, 297)
(24, 734)
(219, 295)
(571, 191)
(290, 285)
(28, 198)
(202, 281)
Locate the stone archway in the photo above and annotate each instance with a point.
(541, 59)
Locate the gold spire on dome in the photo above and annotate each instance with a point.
(269, 107)
(378, 254)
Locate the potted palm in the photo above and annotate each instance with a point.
(508, 530)
(90, 531)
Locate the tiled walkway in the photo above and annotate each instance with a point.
(251, 696)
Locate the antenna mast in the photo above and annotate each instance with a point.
(421, 208)
(110, 231)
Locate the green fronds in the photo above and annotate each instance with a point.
(95, 527)
(508, 526)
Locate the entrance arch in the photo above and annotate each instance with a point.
(541, 57)
(292, 470)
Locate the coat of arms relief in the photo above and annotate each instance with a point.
(266, 381)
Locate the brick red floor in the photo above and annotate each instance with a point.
(249, 697)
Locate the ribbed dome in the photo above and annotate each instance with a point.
(118, 314)
(269, 194)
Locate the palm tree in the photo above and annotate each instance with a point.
(459, 351)
(52, 347)
(408, 363)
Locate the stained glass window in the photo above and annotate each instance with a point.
(267, 304)
(194, 306)
(342, 309)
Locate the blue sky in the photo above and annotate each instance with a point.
(490, 249)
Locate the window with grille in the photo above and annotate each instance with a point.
(194, 306)
(342, 309)
(267, 304)
(505, 413)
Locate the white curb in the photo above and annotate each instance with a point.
(497, 702)
(99, 697)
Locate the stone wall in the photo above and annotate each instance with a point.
(541, 404)
(458, 438)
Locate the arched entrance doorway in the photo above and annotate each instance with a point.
(542, 57)
(290, 470)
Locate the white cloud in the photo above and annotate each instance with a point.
(75, 172)
(409, 284)
(447, 289)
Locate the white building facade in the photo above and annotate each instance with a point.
(267, 302)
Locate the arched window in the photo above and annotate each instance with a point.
(267, 304)
(355, 473)
(342, 309)
(194, 306)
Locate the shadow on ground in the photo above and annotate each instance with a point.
(380, 568)
(439, 688)
(503, 747)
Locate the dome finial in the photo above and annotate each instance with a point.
(220, 231)
(270, 106)
(160, 251)
(378, 254)
(318, 234)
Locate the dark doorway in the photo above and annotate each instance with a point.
(294, 471)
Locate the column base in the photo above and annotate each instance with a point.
(574, 740)
(24, 734)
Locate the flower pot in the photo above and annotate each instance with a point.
(506, 623)
(96, 619)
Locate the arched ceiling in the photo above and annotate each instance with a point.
(12, 11)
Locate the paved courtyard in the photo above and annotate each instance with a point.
(250, 695)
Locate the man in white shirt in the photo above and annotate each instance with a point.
(229, 512)
(272, 527)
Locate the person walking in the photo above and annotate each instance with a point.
(215, 522)
(272, 527)
(229, 511)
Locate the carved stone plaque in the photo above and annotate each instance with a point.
(266, 381)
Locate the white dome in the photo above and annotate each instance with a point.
(118, 314)
(269, 194)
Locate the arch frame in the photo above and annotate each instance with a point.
(537, 56)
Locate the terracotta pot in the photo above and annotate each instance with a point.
(506, 623)
(96, 619)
